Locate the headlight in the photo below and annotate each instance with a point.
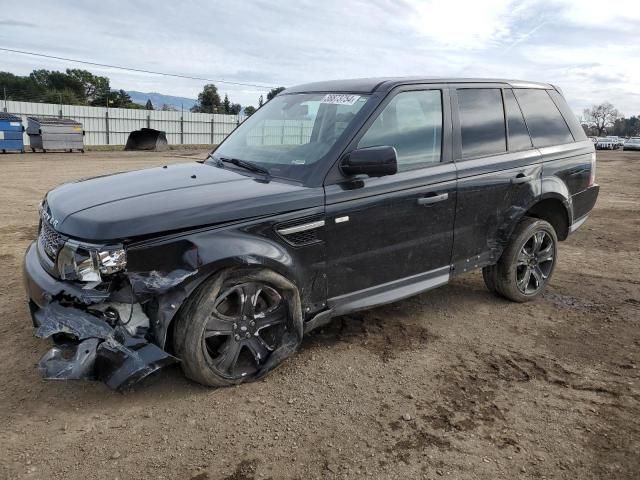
(111, 261)
(86, 263)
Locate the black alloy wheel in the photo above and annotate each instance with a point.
(535, 263)
(243, 329)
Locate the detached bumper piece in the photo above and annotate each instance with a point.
(87, 347)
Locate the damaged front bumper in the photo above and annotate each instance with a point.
(92, 341)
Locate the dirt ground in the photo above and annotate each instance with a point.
(453, 383)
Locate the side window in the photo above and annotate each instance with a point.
(412, 123)
(518, 134)
(481, 122)
(569, 116)
(543, 118)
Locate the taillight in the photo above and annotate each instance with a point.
(592, 177)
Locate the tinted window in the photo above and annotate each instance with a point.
(412, 123)
(518, 133)
(545, 123)
(569, 116)
(481, 122)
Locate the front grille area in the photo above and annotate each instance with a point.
(50, 240)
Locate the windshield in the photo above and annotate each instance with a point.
(292, 132)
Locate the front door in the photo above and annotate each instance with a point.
(393, 235)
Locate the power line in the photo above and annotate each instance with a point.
(34, 54)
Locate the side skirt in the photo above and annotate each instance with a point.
(379, 295)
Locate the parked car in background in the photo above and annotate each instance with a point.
(606, 143)
(380, 189)
(594, 139)
(619, 141)
(632, 143)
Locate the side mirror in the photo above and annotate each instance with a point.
(371, 161)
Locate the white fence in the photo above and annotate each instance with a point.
(112, 126)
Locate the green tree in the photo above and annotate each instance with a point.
(40, 78)
(20, 88)
(73, 87)
(250, 110)
(260, 101)
(64, 97)
(116, 99)
(208, 100)
(48, 81)
(235, 108)
(148, 105)
(226, 104)
(93, 85)
(273, 92)
(626, 127)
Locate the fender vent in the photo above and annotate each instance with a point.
(302, 231)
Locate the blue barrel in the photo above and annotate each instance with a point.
(11, 133)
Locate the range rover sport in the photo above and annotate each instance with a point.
(333, 197)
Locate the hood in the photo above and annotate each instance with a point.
(144, 202)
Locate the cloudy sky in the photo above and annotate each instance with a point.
(591, 49)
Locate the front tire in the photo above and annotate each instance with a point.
(526, 265)
(238, 326)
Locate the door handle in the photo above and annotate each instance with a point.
(433, 199)
(521, 178)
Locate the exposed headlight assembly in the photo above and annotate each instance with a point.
(87, 263)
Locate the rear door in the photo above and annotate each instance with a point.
(395, 232)
(499, 171)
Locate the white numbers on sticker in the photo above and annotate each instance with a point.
(340, 99)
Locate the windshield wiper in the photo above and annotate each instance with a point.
(245, 164)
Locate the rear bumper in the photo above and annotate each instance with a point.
(583, 203)
(87, 345)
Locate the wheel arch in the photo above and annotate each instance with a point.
(555, 209)
(187, 262)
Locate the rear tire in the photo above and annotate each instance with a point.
(526, 265)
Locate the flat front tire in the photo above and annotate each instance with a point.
(238, 326)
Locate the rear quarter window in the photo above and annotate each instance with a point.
(546, 124)
(569, 116)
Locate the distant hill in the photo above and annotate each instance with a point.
(158, 99)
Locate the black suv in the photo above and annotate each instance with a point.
(333, 197)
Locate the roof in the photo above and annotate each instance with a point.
(9, 117)
(383, 84)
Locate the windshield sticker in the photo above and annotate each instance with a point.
(340, 99)
(298, 162)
